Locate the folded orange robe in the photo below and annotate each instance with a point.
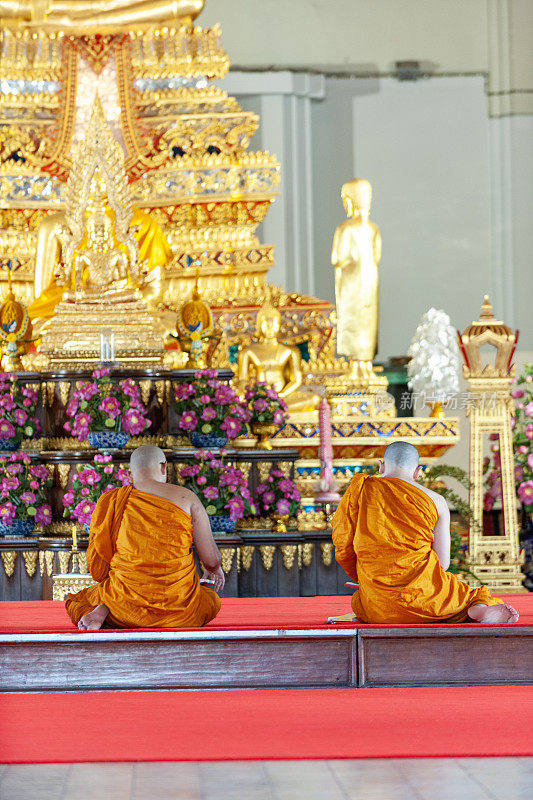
(140, 552)
(383, 532)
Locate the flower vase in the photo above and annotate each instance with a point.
(19, 527)
(280, 522)
(222, 523)
(207, 441)
(108, 440)
(10, 445)
(263, 432)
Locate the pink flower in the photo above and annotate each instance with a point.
(34, 485)
(278, 417)
(124, 476)
(525, 492)
(101, 373)
(523, 448)
(68, 498)
(85, 491)
(110, 406)
(236, 508)
(529, 430)
(530, 460)
(130, 389)
(188, 421)
(260, 405)
(43, 515)
(268, 498)
(108, 469)
(7, 431)
(20, 416)
(190, 470)
(208, 414)
(39, 471)
(7, 513)
(100, 458)
(133, 422)
(183, 391)
(205, 399)
(211, 492)
(89, 477)
(28, 498)
(201, 480)
(72, 407)
(10, 483)
(517, 393)
(83, 511)
(232, 427)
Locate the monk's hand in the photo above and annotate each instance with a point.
(218, 578)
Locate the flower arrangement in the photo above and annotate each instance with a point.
(433, 370)
(210, 407)
(278, 495)
(265, 405)
(23, 490)
(104, 404)
(17, 410)
(522, 425)
(222, 489)
(88, 483)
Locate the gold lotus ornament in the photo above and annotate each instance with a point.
(280, 522)
(15, 328)
(195, 330)
(263, 431)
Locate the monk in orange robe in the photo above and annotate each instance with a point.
(141, 553)
(392, 537)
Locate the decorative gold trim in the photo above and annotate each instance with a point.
(49, 561)
(227, 554)
(9, 558)
(326, 550)
(246, 556)
(288, 551)
(267, 555)
(70, 584)
(30, 562)
(305, 554)
(64, 472)
(64, 561)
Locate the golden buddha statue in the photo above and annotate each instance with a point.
(15, 328)
(195, 329)
(277, 364)
(78, 15)
(100, 271)
(355, 255)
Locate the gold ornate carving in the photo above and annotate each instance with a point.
(228, 554)
(30, 562)
(64, 391)
(9, 558)
(263, 467)
(326, 550)
(64, 472)
(70, 584)
(305, 554)
(246, 556)
(288, 551)
(64, 561)
(49, 561)
(146, 390)
(41, 562)
(267, 555)
(50, 392)
(82, 562)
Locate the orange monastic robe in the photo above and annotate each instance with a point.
(383, 532)
(140, 552)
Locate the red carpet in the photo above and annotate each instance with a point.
(292, 723)
(264, 613)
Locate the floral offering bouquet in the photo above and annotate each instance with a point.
(222, 489)
(265, 405)
(522, 425)
(208, 407)
(279, 498)
(17, 412)
(88, 483)
(23, 490)
(106, 405)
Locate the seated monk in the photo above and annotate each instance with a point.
(140, 552)
(392, 537)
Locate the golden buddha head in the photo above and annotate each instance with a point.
(99, 228)
(268, 320)
(356, 196)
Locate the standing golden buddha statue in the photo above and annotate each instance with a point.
(355, 255)
(277, 364)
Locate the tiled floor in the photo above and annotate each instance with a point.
(365, 779)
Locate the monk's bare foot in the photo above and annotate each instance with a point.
(491, 615)
(94, 620)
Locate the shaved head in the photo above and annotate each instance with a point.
(400, 457)
(147, 459)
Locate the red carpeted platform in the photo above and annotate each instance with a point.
(226, 725)
(239, 614)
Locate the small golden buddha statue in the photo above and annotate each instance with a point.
(355, 255)
(15, 329)
(82, 14)
(195, 329)
(277, 364)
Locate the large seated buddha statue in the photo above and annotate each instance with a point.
(269, 360)
(100, 275)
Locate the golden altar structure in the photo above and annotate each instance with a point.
(183, 148)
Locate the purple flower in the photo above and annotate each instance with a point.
(188, 421)
(528, 410)
(260, 405)
(268, 498)
(183, 391)
(7, 402)
(130, 389)
(39, 471)
(261, 489)
(85, 491)
(236, 508)
(529, 430)
(10, 483)
(124, 476)
(108, 469)
(20, 416)
(100, 458)
(43, 515)
(278, 417)
(205, 399)
(201, 480)
(110, 406)
(232, 427)
(83, 511)
(208, 414)
(7, 431)
(89, 477)
(190, 471)
(283, 506)
(68, 498)
(211, 492)
(101, 373)
(525, 492)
